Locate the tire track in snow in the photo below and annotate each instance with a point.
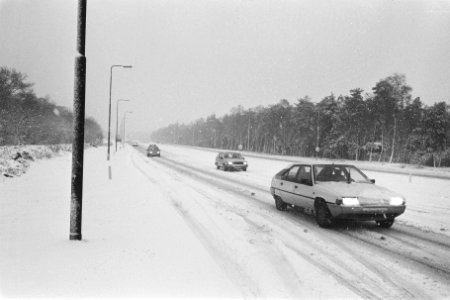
(214, 246)
(434, 256)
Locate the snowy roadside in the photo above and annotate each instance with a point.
(135, 244)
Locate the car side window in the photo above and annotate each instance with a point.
(304, 175)
(292, 173)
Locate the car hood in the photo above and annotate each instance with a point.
(367, 193)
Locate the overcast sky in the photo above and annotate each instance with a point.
(195, 58)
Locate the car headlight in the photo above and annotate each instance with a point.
(396, 201)
(230, 162)
(245, 162)
(350, 201)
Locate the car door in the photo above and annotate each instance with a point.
(302, 189)
(288, 182)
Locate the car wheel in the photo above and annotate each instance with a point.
(217, 167)
(280, 204)
(245, 169)
(225, 168)
(323, 215)
(386, 223)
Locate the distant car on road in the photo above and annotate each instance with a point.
(335, 191)
(231, 161)
(153, 150)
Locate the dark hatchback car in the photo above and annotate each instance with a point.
(153, 150)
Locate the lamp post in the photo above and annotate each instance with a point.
(124, 121)
(117, 117)
(109, 114)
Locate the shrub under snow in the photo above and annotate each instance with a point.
(15, 160)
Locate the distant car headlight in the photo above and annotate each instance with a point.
(245, 162)
(396, 201)
(350, 201)
(230, 162)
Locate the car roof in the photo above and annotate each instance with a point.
(326, 164)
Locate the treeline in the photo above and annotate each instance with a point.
(28, 119)
(386, 125)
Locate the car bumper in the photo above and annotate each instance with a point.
(366, 212)
(237, 167)
(153, 154)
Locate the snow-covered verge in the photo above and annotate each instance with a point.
(15, 160)
(135, 244)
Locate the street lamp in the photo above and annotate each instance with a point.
(109, 115)
(117, 117)
(124, 119)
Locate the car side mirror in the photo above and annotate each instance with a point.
(372, 180)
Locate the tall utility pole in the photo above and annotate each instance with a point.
(78, 126)
(109, 112)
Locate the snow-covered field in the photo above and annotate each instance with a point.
(176, 227)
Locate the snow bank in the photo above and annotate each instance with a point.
(15, 160)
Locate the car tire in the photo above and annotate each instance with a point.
(225, 168)
(245, 169)
(217, 167)
(323, 215)
(280, 204)
(386, 223)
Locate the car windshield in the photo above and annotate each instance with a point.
(232, 155)
(339, 173)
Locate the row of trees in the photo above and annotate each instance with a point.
(385, 125)
(28, 119)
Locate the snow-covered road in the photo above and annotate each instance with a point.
(268, 253)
